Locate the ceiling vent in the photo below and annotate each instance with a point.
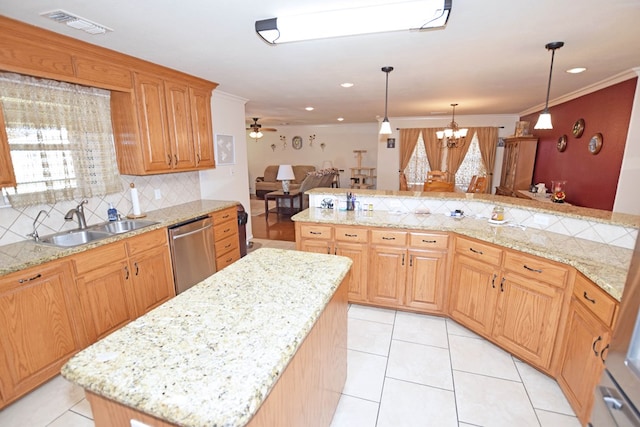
(75, 21)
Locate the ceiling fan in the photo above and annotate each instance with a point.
(257, 129)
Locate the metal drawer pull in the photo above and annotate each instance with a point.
(476, 251)
(502, 284)
(592, 301)
(532, 269)
(350, 235)
(315, 232)
(493, 281)
(402, 259)
(606, 347)
(169, 158)
(593, 346)
(228, 246)
(225, 216)
(429, 241)
(126, 270)
(388, 238)
(135, 264)
(227, 230)
(410, 260)
(37, 276)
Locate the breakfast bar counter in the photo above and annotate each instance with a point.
(218, 353)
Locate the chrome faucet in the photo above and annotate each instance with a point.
(79, 212)
(34, 234)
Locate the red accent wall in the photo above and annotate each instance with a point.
(592, 180)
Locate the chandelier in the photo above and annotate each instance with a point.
(452, 136)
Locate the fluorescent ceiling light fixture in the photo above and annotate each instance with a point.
(75, 21)
(380, 18)
(576, 70)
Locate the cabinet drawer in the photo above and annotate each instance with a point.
(146, 241)
(428, 241)
(226, 229)
(535, 268)
(224, 215)
(315, 231)
(479, 251)
(350, 234)
(389, 237)
(99, 257)
(226, 259)
(226, 245)
(595, 299)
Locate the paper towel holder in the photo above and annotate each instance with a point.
(134, 195)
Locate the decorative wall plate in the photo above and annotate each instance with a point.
(562, 143)
(578, 128)
(595, 143)
(296, 142)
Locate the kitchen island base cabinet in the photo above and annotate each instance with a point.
(306, 394)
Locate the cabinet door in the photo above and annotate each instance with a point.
(7, 177)
(581, 366)
(104, 298)
(357, 278)
(202, 129)
(474, 292)
(317, 246)
(180, 132)
(152, 279)
(37, 335)
(426, 281)
(152, 121)
(387, 275)
(527, 318)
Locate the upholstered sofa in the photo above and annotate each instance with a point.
(268, 182)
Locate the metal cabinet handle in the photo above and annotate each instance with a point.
(502, 284)
(593, 346)
(410, 260)
(227, 230)
(126, 270)
(317, 233)
(37, 276)
(429, 241)
(388, 238)
(135, 264)
(169, 159)
(493, 281)
(198, 159)
(476, 251)
(225, 216)
(602, 356)
(350, 235)
(402, 259)
(532, 269)
(175, 156)
(228, 246)
(592, 301)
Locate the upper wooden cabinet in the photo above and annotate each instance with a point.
(169, 131)
(517, 165)
(7, 177)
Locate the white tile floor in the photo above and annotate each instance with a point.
(404, 369)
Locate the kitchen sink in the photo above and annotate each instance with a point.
(77, 237)
(123, 226)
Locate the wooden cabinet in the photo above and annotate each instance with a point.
(202, 127)
(589, 324)
(225, 233)
(352, 242)
(387, 275)
(314, 238)
(122, 281)
(38, 333)
(7, 177)
(517, 165)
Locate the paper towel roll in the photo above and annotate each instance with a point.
(135, 202)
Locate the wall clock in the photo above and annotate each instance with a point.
(595, 143)
(296, 142)
(578, 128)
(562, 143)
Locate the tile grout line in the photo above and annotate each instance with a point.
(386, 366)
(453, 379)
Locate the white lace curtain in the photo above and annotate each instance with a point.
(60, 138)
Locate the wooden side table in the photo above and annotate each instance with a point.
(285, 203)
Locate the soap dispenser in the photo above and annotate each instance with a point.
(112, 213)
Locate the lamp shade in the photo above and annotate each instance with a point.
(285, 172)
(544, 121)
(385, 127)
(327, 164)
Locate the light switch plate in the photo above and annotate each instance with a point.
(157, 194)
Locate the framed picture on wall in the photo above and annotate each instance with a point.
(225, 150)
(391, 143)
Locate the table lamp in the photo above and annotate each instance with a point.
(285, 174)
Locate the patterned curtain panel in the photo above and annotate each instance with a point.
(60, 138)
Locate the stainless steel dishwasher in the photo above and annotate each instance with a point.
(192, 252)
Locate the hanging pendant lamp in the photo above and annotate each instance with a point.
(544, 121)
(385, 127)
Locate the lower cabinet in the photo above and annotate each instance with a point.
(589, 323)
(352, 242)
(225, 233)
(38, 333)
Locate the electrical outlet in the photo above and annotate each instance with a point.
(541, 219)
(157, 194)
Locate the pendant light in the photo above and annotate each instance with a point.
(544, 121)
(385, 128)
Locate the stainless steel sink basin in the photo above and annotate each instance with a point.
(117, 227)
(74, 238)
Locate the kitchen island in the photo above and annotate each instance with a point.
(262, 342)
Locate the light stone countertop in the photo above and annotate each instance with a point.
(211, 355)
(605, 265)
(21, 255)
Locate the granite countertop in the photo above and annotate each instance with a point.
(211, 355)
(21, 255)
(605, 265)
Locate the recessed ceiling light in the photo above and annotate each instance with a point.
(346, 84)
(576, 70)
(309, 108)
(340, 119)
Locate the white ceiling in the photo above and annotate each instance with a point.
(490, 58)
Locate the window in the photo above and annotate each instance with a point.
(60, 139)
(416, 170)
(471, 165)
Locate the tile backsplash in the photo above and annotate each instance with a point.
(173, 189)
